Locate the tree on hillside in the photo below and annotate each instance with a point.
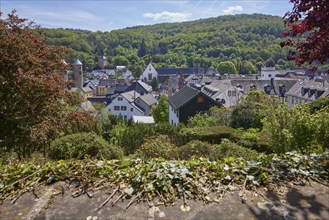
(31, 90)
(161, 111)
(308, 32)
(226, 67)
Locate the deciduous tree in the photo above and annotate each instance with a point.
(308, 32)
(161, 111)
(31, 88)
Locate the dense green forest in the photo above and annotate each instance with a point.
(245, 40)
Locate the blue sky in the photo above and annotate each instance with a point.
(107, 15)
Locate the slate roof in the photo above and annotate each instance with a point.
(246, 84)
(87, 89)
(130, 96)
(322, 87)
(148, 99)
(106, 82)
(182, 97)
(145, 86)
(77, 62)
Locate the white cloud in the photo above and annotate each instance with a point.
(169, 16)
(232, 10)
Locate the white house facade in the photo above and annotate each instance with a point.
(173, 117)
(124, 106)
(149, 73)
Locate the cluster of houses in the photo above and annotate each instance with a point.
(190, 90)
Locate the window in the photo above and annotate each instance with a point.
(200, 99)
(120, 98)
(125, 117)
(150, 76)
(123, 108)
(131, 109)
(116, 108)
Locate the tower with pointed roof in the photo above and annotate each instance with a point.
(77, 72)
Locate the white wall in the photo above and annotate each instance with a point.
(173, 119)
(128, 113)
(149, 69)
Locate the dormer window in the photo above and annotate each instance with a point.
(282, 89)
(311, 92)
(267, 88)
(304, 91)
(318, 93)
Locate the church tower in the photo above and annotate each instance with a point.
(77, 71)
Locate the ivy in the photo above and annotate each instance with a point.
(162, 180)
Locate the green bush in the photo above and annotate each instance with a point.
(212, 135)
(252, 135)
(83, 144)
(195, 149)
(229, 149)
(158, 146)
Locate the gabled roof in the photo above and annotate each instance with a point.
(106, 82)
(86, 89)
(182, 97)
(148, 99)
(145, 86)
(296, 90)
(130, 96)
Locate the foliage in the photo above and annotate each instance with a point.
(158, 146)
(161, 180)
(251, 110)
(80, 145)
(221, 115)
(200, 120)
(31, 88)
(161, 111)
(298, 129)
(213, 134)
(205, 43)
(308, 31)
(196, 149)
(226, 67)
(318, 104)
(251, 135)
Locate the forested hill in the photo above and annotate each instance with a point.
(246, 40)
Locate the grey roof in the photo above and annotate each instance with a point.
(87, 106)
(246, 84)
(322, 87)
(77, 62)
(106, 82)
(130, 96)
(145, 86)
(87, 89)
(182, 97)
(215, 88)
(149, 99)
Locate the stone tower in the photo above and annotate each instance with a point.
(77, 72)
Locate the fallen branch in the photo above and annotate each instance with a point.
(108, 199)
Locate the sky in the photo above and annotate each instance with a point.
(107, 15)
